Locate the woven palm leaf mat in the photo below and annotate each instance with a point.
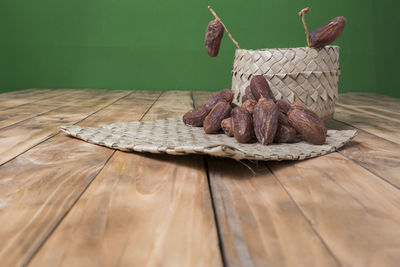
(173, 137)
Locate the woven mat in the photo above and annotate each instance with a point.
(173, 137)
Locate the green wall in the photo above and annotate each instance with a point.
(160, 44)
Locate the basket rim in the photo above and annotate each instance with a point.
(290, 48)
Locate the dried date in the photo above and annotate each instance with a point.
(225, 95)
(249, 105)
(285, 134)
(196, 116)
(214, 34)
(283, 106)
(265, 119)
(260, 88)
(308, 124)
(242, 124)
(248, 95)
(212, 123)
(226, 125)
(328, 32)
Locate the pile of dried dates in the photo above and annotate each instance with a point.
(261, 117)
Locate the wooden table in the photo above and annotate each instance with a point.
(64, 202)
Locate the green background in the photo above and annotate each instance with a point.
(159, 45)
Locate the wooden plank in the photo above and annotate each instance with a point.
(170, 104)
(40, 186)
(122, 110)
(259, 224)
(20, 137)
(13, 99)
(370, 100)
(22, 93)
(356, 214)
(23, 112)
(376, 154)
(142, 210)
(378, 112)
(386, 128)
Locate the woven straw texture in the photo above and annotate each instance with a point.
(301, 74)
(173, 137)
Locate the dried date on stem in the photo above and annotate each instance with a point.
(196, 116)
(226, 125)
(214, 34)
(225, 95)
(308, 124)
(212, 123)
(265, 118)
(260, 88)
(327, 33)
(242, 123)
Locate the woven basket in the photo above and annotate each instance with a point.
(302, 74)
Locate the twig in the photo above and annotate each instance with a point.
(303, 13)
(230, 36)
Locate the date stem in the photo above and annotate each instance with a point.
(229, 34)
(303, 13)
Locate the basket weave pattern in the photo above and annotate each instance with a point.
(301, 74)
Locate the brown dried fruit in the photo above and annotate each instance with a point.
(285, 134)
(328, 32)
(249, 105)
(225, 95)
(214, 34)
(242, 124)
(265, 119)
(212, 123)
(282, 119)
(196, 116)
(308, 124)
(283, 106)
(300, 105)
(226, 125)
(248, 94)
(297, 104)
(260, 88)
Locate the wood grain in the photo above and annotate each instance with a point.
(64, 98)
(40, 186)
(356, 214)
(37, 190)
(135, 103)
(147, 210)
(170, 104)
(259, 223)
(142, 210)
(375, 101)
(13, 99)
(386, 128)
(20, 137)
(376, 154)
